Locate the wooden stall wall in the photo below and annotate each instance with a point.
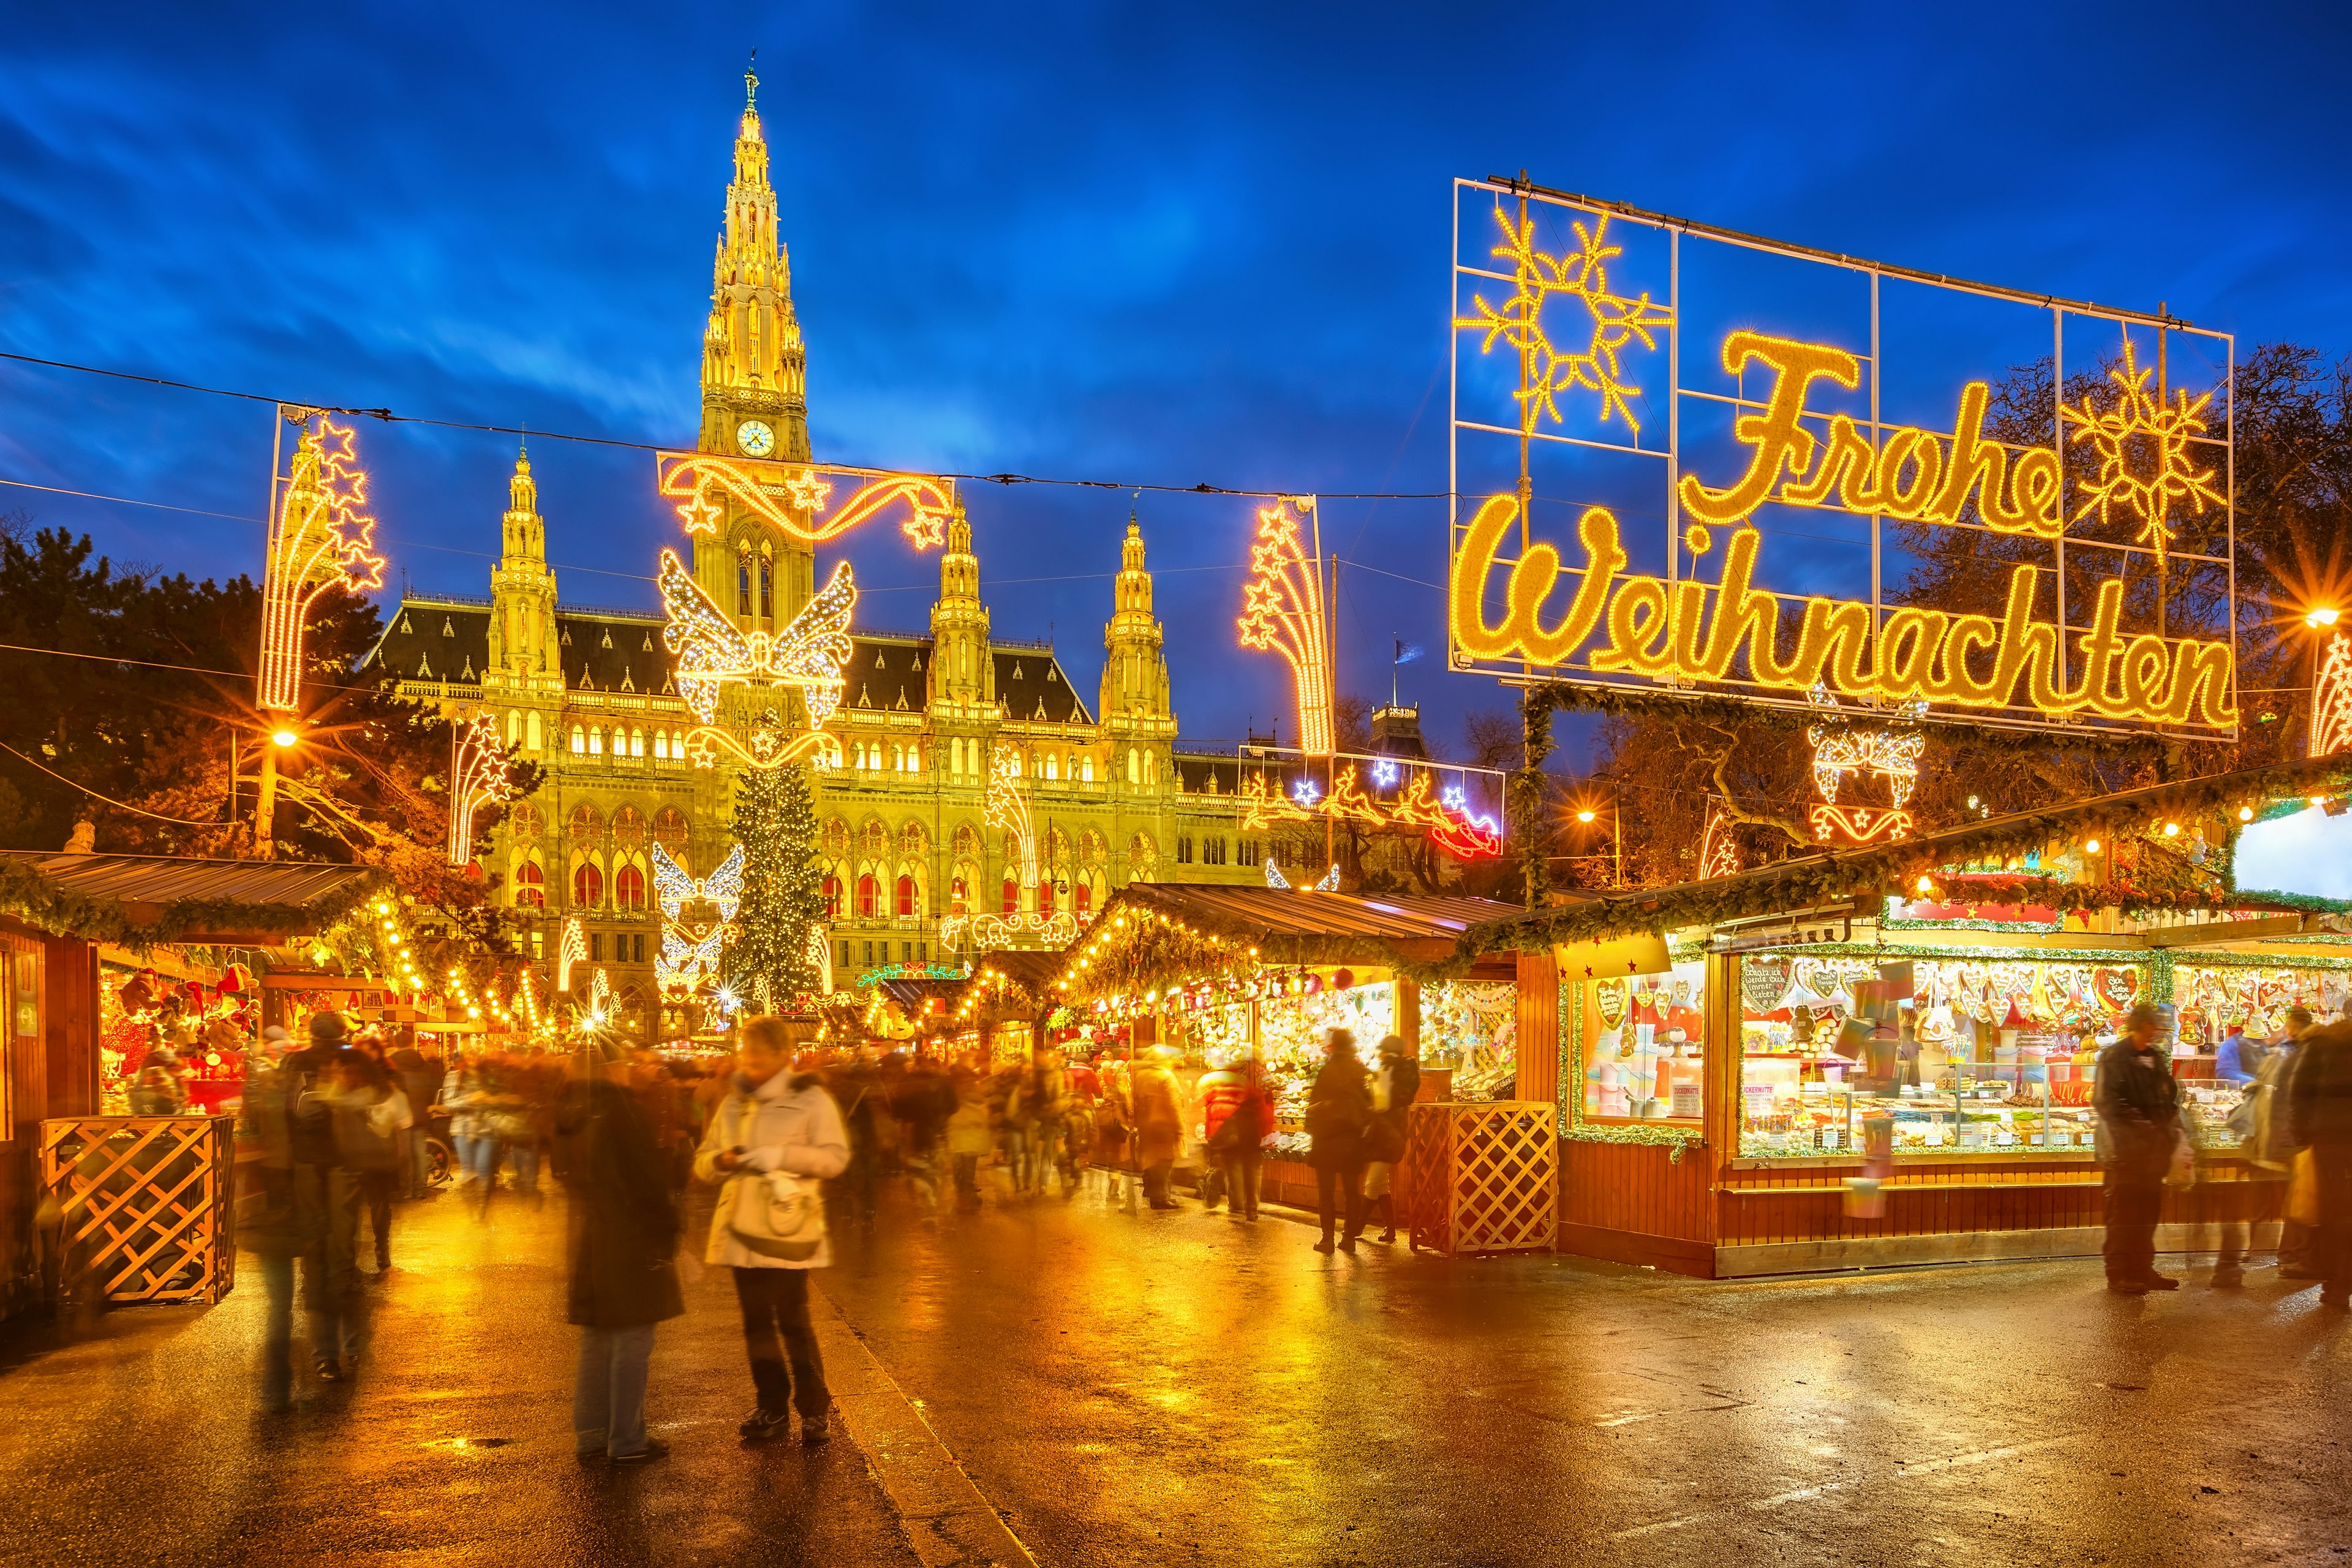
(48, 1067)
(1635, 1203)
(1537, 1040)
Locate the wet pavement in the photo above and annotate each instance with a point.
(1184, 1388)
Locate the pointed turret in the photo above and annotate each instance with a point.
(961, 673)
(522, 595)
(754, 365)
(1135, 675)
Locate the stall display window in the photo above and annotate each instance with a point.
(1962, 1057)
(1641, 1047)
(1472, 1026)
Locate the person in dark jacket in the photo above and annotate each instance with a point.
(2319, 1113)
(1394, 1085)
(1338, 1109)
(420, 1081)
(625, 1224)
(272, 1225)
(2139, 1111)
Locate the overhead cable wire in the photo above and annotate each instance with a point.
(120, 804)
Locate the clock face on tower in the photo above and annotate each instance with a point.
(755, 438)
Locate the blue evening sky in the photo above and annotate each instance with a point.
(1162, 245)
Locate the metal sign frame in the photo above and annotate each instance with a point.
(1665, 325)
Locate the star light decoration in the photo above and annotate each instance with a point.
(319, 540)
(1446, 817)
(2143, 448)
(1617, 321)
(1282, 610)
(477, 777)
(704, 485)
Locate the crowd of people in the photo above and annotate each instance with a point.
(2293, 1127)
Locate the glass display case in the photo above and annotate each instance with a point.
(1640, 1048)
(1962, 1057)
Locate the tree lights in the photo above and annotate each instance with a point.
(477, 777)
(319, 538)
(1282, 609)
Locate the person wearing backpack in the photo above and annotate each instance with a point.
(1393, 1089)
(774, 1137)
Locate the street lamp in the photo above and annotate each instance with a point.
(2321, 620)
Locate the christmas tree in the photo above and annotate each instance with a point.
(769, 963)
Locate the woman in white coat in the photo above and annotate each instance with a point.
(775, 1135)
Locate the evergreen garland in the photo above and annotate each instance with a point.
(783, 897)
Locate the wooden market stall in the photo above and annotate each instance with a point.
(1219, 972)
(142, 1204)
(1723, 1047)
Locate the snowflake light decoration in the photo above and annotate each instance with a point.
(2143, 448)
(1618, 321)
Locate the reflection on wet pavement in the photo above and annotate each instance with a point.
(1186, 1388)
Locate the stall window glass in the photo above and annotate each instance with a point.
(1953, 1057)
(1641, 1047)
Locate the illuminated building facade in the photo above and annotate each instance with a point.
(588, 694)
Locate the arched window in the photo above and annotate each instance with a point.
(1087, 769)
(629, 887)
(588, 885)
(585, 821)
(1051, 771)
(531, 885)
(1011, 896)
(898, 759)
(669, 828)
(833, 898)
(906, 895)
(531, 732)
(957, 896)
(1082, 899)
(767, 584)
(514, 728)
(579, 741)
(636, 742)
(1151, 769)
(595, 740)
(628, 827)
(1134, 766)
(743, 581)
(661, 745)
(870, 896)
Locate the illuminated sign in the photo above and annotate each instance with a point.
(1688, 460)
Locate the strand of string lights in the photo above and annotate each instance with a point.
(386, 416)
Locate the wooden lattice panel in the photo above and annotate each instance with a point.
(143, 1202)
(1484, 1177)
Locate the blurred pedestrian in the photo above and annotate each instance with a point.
(969, 1140)
(466, 1096)
(772, 1138)
(1393, 1088)
(2319, 1106)
(333, 1294)
(1235, 1117)
(623, 1225)
(420, 1081)
(1158, 1123)
(2139, 1120)
(272, 1224)
(1338, 1108)
(2275, 1136)
(855, 1089)
(370, 1113)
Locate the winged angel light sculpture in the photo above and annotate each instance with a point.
(712, 651)
(690, 949)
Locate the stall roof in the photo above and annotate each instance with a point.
(137, 899)
(1296, 925)
(1835, 877)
